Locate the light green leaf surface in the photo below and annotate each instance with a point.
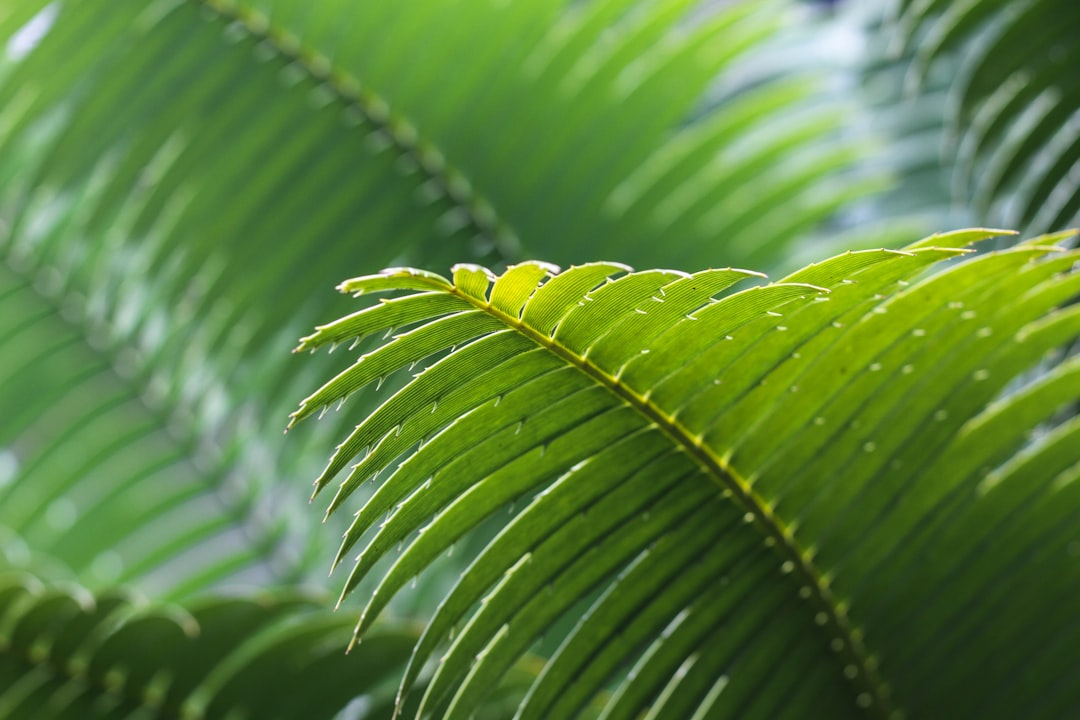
(177, 176)
(844, 490)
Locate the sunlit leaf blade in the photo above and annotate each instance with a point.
(177, 176)
(819, 488)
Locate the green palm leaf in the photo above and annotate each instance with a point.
(175, 177)
(65, 653)
(822, 492)
(1013, 99)
(104, 475)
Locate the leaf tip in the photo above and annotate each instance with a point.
(337, 561)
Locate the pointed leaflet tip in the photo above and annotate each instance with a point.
(750, 273)
(473, 268)
(306, 341)
(1051, 239)
(343, 549)
(321, 482)
(550, 268)
(958, 238)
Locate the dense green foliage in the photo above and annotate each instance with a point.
(1013, 95)
(71, 655)
(803, 490)
(182, 180)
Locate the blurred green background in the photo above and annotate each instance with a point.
(183, 182)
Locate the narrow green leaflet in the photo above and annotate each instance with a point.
(65, 653)
(853, 489)
(177, 176)
(1014, 147)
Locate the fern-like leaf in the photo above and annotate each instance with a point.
(175, 178)
(822, 492)
(1013, 99)
(66, 653)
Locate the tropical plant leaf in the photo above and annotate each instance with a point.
(1014, 98)
(94, 478)
(837, 491)
(175, 176)
(589, 101)
(65, 653)
(593, 154)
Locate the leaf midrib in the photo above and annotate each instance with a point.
(348, 89)
(873, 695)
(352, 93)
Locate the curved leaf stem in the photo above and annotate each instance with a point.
(847, 641)
(377, 113)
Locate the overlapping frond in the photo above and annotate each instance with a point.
(176, 176)
(1014, 101)
(815, 493)
(569, 122)
(65, 653)
(127, 456)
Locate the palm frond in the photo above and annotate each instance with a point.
(65, 653)
(1014, 99)
(836, 491)
(102, 478)
(176, 176)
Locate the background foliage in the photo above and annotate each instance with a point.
(180, 180)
